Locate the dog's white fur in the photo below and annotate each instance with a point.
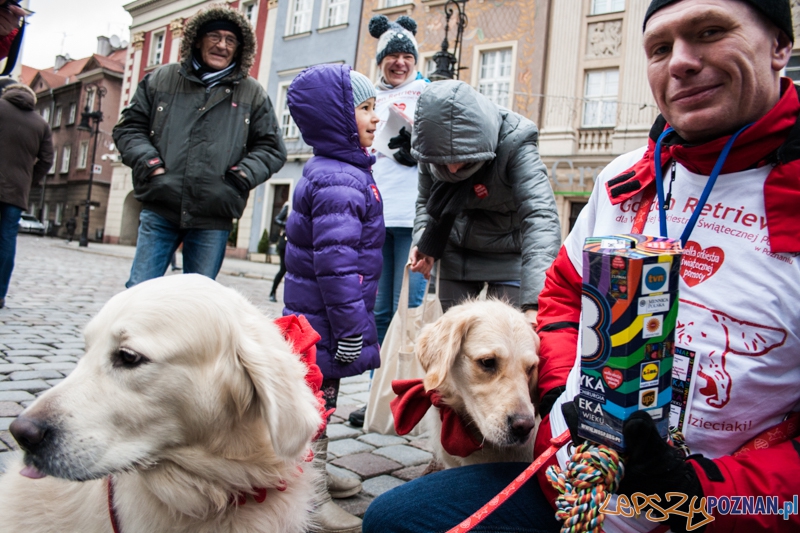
(458, 352)
(220, 407)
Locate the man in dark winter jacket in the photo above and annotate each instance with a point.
(198, 136)
(26, 152)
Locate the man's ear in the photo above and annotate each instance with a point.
(781, 51)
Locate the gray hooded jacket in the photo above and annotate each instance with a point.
(508, 229)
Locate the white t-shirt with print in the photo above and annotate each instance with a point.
(739, 313)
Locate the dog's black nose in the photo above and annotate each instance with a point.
(521, 426)
(28, 432)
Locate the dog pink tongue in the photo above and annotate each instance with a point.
(31, 472)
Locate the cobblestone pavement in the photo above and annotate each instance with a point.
(57, 288)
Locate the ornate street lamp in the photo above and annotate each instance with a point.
(448, 64)
(97, 117)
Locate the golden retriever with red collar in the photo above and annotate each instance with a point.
(481, 357)
(189, 399)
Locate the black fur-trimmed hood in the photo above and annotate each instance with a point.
(247, 52)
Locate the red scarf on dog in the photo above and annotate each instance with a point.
(411, 404)
(303, 338)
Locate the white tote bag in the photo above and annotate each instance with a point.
(398, 360)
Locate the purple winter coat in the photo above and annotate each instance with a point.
(335, 230)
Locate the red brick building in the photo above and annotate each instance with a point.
(64, 92)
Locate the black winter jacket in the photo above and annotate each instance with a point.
(197, 134)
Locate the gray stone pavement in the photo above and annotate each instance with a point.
(57, 288)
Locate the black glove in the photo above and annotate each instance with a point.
(402, 141)
(236, 181)
(654, 467)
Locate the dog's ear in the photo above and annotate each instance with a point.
(278, 376)
(438, 345)
(533, 387)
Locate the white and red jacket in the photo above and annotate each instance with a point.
(739, 312)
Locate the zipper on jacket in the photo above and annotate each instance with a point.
(464, 250)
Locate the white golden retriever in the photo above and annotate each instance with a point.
(482, 358)
(191, 400)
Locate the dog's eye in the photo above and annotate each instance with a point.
(490, 363)
(127, 358)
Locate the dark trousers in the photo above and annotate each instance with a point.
(437, 502)
(455, 292)
(9, 226)
(282, 270)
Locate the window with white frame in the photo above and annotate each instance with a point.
(46, 114)
(600, 98)
(250, 10)
(428, 66)
(793, 68)
(59, 214)
(334, 12)
(73, 111)
(65, 154)
(90, 96)
(299, 19)
(394, 3)
(156, 48)
(607, 6)
(289, 129)
(57, 117)
(83, 153)
(494, 76)
(55, 158)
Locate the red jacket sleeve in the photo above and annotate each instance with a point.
(773, 474)
(559, 319)
(5, 44)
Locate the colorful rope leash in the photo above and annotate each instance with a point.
(592, 473)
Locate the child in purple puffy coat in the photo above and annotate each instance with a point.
(335, 233)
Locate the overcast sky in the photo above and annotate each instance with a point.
(71, 27)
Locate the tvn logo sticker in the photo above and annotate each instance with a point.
(655, 278)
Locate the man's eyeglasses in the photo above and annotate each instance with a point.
(216, 38)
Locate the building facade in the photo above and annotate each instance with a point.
(156, 33)
(63, 93)
(597, 103)
(305, 33)
(503, 48)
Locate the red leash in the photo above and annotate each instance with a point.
(481, 514)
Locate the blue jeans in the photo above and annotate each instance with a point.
(203, 249)
(395, 256)
(437, 502)
(9, 226)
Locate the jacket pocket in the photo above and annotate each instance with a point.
(163, 189)
(215, 197)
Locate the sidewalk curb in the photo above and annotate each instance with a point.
(223, 270)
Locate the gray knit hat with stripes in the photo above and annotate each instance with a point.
(362, 88)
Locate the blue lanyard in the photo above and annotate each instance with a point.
(662, 216)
